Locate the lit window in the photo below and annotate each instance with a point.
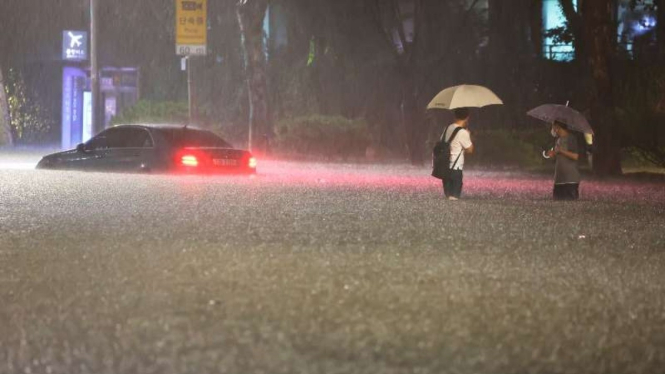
(553, 18)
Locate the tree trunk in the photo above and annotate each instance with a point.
(599, 34)
(536, 27)
(508, 47)
(6, 137)
(391, 17)
(412, 121)
(660, 31)
(577, 28)
(412, 113)
(251, 14)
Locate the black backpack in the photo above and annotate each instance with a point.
(441, 155)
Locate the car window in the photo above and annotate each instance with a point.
(183, 138)
(135, 138)
(121, 138)
(114, 138)
(98, 142)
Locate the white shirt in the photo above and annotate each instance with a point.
(461, 142)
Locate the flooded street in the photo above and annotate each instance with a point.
(327, 268)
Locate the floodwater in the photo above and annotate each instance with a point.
(327, 268)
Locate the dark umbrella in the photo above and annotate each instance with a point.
(551, 113)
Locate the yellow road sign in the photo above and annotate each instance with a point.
(191, 27)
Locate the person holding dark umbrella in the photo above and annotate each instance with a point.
(566, 173)
(565, 122)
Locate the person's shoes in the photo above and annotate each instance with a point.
(452, 198)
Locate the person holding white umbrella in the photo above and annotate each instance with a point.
(459, 138)
(458, 99)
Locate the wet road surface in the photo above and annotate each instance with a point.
(310, 268)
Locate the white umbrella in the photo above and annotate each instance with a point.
(464, 96)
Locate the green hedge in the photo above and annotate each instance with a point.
(506, 148)
(154, 112)
(640, 114)
(322, 137)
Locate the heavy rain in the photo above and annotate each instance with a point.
(224, 186)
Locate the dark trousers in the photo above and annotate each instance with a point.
(568, 191)
(452, 184)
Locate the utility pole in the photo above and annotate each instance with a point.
(97, 124)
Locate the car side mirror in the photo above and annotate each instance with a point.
(80, 148)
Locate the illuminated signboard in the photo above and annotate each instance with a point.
(73, 85)
(74, 45)
(191, 27)
(86, 130)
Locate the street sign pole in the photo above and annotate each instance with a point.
(191, 40)
(190, 100)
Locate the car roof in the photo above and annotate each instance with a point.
(161, 126)
(165, 127)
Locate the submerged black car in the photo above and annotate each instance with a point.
(161, 148)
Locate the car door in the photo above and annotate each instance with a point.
(89, 156)
(130, 149)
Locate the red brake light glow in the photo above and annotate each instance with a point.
(189, 160)
(252, 163)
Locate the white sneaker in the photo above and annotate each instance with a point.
(452, 198)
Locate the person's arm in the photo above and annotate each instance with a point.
(465, 141)
(570, 155)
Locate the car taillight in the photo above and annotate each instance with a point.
(189, 160)
(252, 163)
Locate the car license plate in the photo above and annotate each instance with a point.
(225, 162)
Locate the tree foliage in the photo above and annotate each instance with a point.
(380, 61)
(6, 136)
(30, 121)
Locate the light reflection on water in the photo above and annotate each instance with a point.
(395, 179)
(9, 165)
